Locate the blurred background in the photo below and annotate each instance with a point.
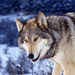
(12, 59)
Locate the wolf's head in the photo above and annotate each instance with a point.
(34, 36)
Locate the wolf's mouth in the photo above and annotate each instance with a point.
(36, 58)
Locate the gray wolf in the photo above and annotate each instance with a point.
(51, 37)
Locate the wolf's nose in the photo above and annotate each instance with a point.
(31, 56)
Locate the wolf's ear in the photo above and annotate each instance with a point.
(19, 25)
(41, 20)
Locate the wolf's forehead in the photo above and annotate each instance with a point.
(31, 23)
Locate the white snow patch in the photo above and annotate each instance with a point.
(14, 52)
(13, 17)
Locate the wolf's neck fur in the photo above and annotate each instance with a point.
(50, 53)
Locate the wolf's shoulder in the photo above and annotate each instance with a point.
(71, 15)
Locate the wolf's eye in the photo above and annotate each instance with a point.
(26, 40)
(35, 39)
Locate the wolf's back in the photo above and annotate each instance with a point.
(72, 16)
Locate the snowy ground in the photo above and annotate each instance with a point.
(13, 17)
(5, 53)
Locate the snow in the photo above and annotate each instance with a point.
(43, 65)
(14, 52)
(4, 57)
(14, 16)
